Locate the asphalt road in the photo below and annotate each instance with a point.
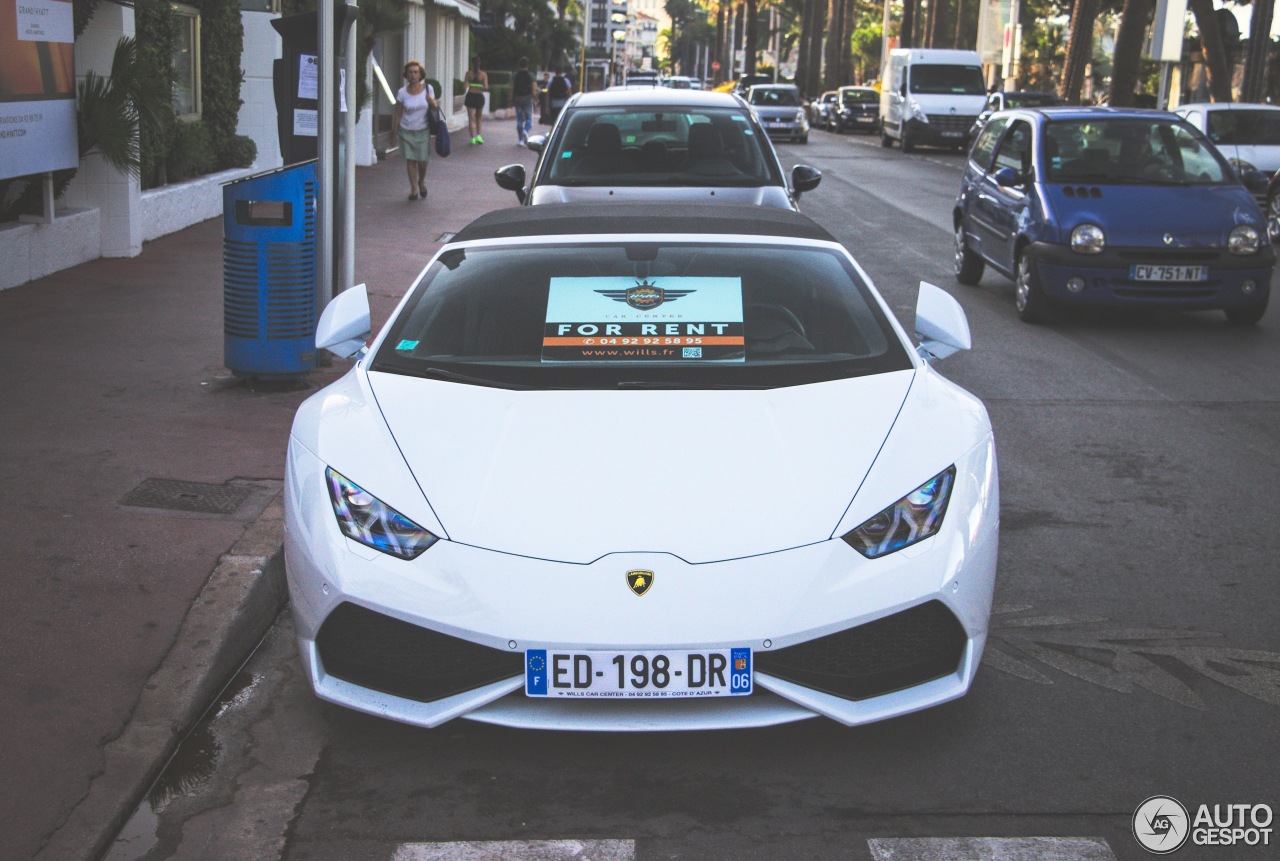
(1134, 650)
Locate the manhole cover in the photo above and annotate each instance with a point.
(186, 496)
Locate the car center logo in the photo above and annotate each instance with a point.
(645, 296)
(1160, 824)
(639, 581)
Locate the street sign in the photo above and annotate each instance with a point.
(715, 65)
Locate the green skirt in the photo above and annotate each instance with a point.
(415, 145)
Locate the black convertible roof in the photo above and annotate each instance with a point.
(587, 219)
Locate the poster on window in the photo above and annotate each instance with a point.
(37, 87)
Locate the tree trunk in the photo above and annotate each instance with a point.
(831, 66)
(1255, 61)
(749, 36)
(1079, 49)
(815, 23)
(906, 33)
(937, 22)
(1215, 58)
(1134, 18)
(718, 55)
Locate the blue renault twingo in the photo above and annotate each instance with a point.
(1110, 206)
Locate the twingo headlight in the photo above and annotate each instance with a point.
(1088, 239)
(1244, 239)
(915, 517)
(362, 517)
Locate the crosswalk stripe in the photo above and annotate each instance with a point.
(519, 850)
(990, 849)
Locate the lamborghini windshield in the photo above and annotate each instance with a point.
(646, 315)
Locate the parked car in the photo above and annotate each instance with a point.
(1110, 206)
(820, 108)
(1002, 100)
(657, 144)
(476, 528)
(857, 109)
(679, 82)
(1247, 134)
(746, 82)
(780, 111)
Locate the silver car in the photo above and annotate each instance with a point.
(781, 111)
(657, 145)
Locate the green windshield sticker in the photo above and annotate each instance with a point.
(620, 319)
(406, 345)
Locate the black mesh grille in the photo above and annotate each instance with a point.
(375, 651)
(1170, 255)
(949, 123)
(889, 654)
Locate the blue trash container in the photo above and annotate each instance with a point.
(269, 272)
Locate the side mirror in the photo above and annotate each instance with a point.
(1007, 177)
(535, 142)
(344, 325)
(511, 178)
(1255, 180)
(941, 324)
(804, 178)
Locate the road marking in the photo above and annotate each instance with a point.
(990, 849)
(519, 850)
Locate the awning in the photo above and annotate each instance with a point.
(470, 11)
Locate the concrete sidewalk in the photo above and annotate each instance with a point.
(125, 614)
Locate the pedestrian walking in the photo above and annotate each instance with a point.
(544, 102)
(409, 123)
(524, 90)
(476, 81)
(558, 92)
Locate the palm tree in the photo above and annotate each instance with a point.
(1079, 49)
(1255, 62)
(1215, 59)
(1134, 18)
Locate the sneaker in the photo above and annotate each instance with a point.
(479, 139)
(474, 141)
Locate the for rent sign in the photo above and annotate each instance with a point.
(37, 87)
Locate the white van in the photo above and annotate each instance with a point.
(930, 96)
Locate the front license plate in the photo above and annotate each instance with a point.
(669, 674)
(866, 119)
(1143, 272)
(953, 134)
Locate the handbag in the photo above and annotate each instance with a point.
(433, 121)
(442, 138)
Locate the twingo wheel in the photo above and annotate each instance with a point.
(1249, 314)
(1028, 297)
(968, 265)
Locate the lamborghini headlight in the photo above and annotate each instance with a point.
(362, 517)
(915, 517)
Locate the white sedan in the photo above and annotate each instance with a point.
(641, 467)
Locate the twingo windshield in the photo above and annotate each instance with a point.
(950, 79)
(646, 315)
(662, 146)
(1131, 150)
(775, 97)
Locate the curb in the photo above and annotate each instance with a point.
(237, 606)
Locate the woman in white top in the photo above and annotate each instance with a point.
(410, 124)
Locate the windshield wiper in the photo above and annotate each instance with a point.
(657, 384)
(454, 376)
